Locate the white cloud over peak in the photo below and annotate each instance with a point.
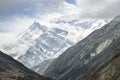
(68, 9)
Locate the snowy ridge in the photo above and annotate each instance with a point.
(40, 42)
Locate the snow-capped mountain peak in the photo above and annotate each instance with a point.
(40, 42)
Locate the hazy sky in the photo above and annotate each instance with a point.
(19, 14)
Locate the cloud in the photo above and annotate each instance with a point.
(6, 38)
(85, 8)
(6, 3)
(10, 8)
(98, 8)
(27, 7)
(16, 24)
(48, 5)
(68, 9)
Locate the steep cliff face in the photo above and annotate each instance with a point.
(94, 58)
(11, 69)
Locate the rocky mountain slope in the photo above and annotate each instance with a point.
(97, 57)
(11, 69)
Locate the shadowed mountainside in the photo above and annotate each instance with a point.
(97, 57)
(11, 69)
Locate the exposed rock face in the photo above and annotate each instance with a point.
(97, 57)
(11, 69)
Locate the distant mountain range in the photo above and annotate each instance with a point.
(96, 57)
(11, 69)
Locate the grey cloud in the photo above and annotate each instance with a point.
(27, 7)
(111, 10)
(10, 8)
(88, 8)
(8, 3)
(48, 5)
(99, 8)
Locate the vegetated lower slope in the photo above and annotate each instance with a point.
(97, 57)
(11, 69)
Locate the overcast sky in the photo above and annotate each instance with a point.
(16, 15)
